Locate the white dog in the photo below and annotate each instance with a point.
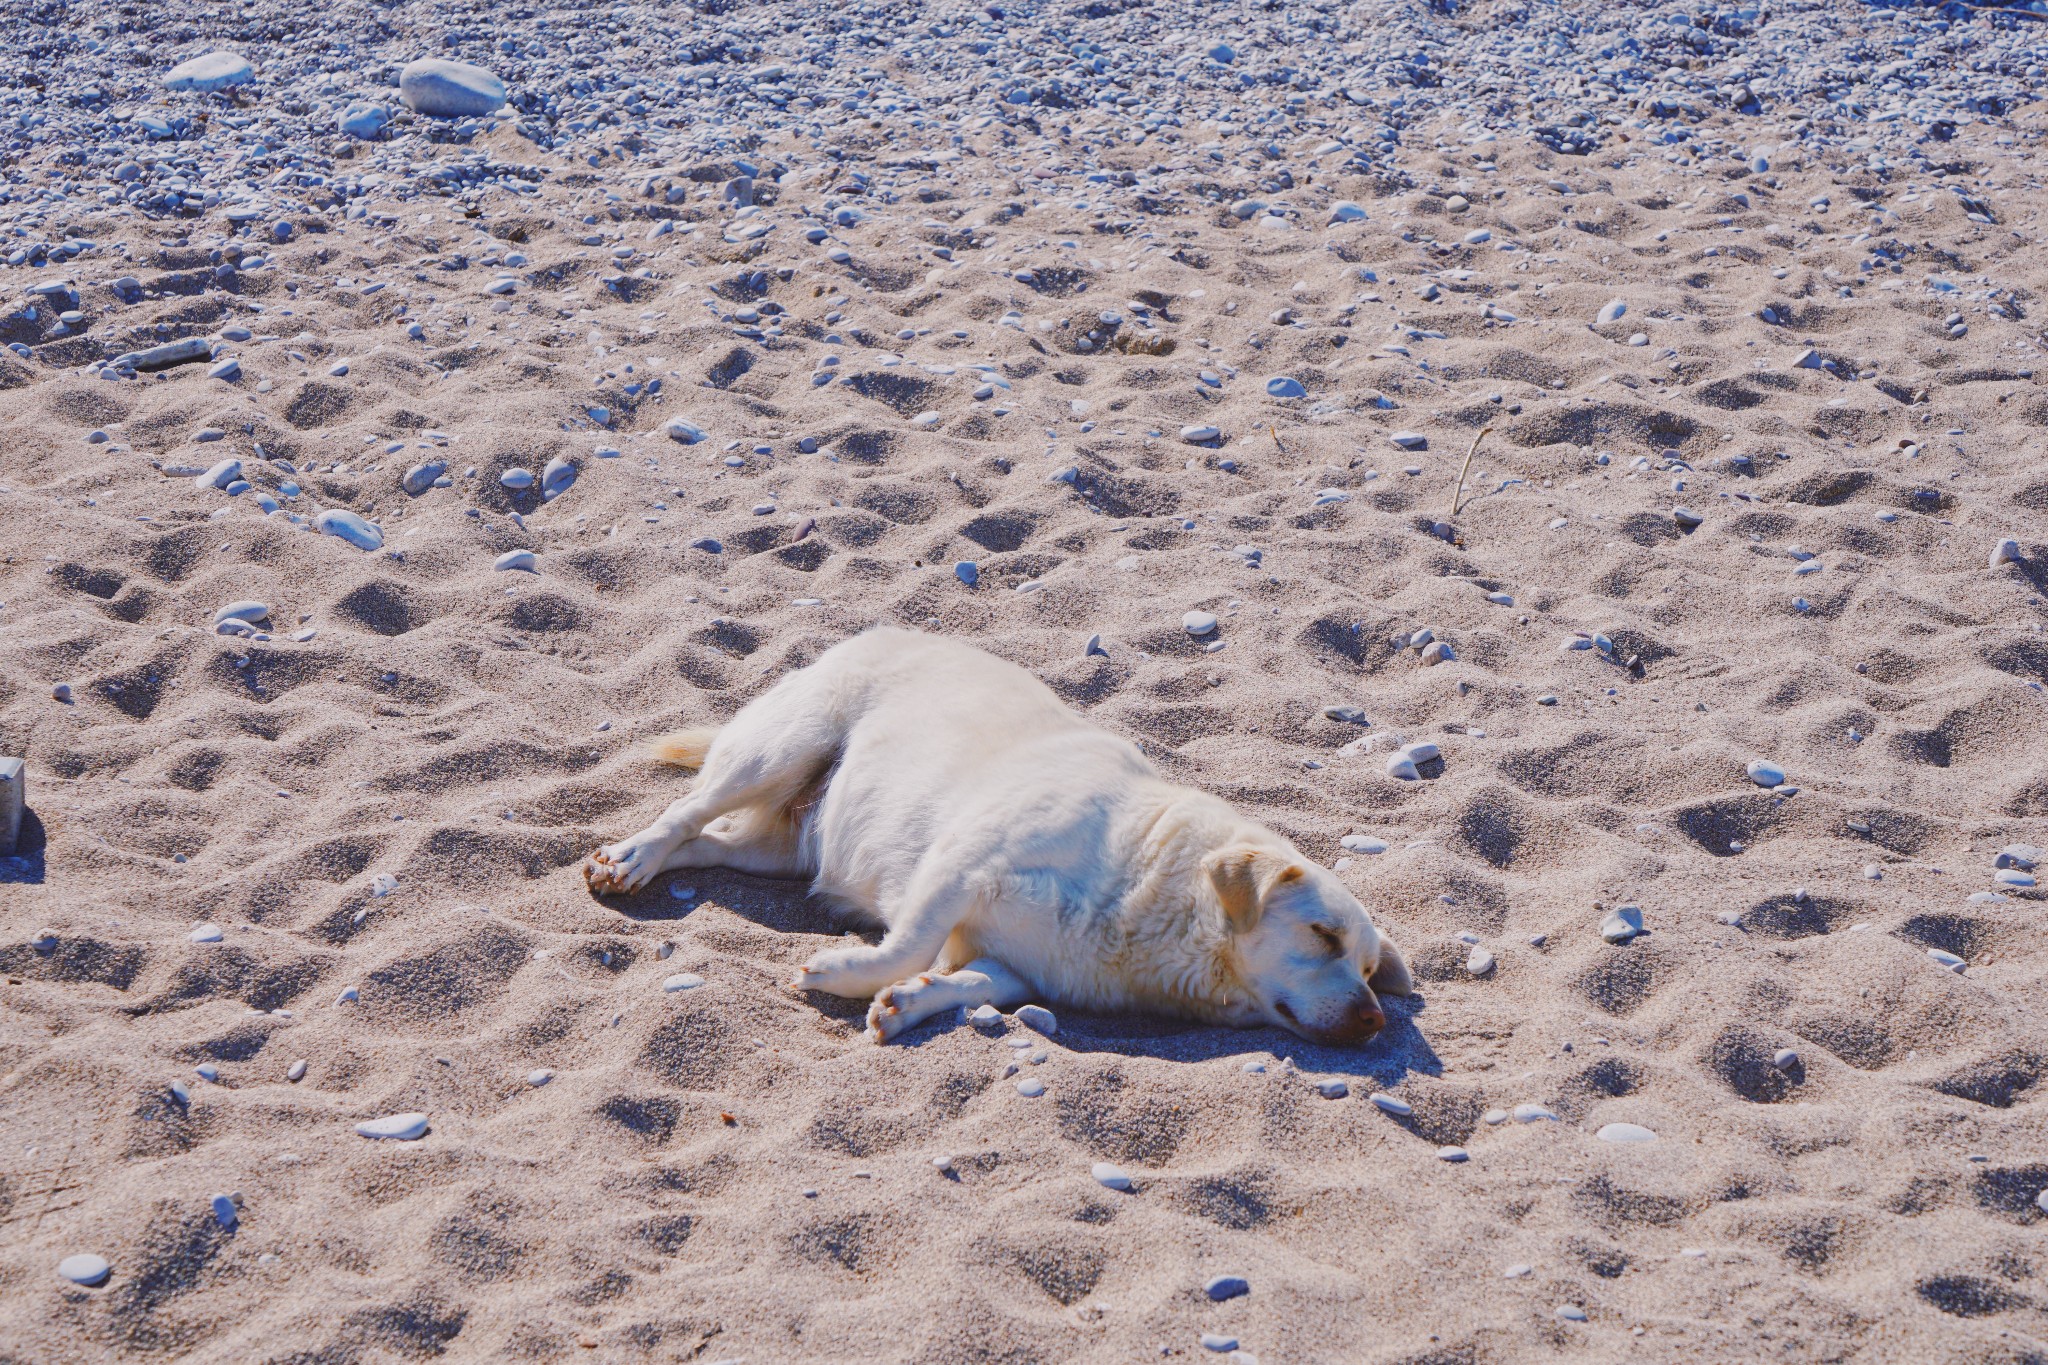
(1011, 852)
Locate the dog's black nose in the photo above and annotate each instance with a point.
(1371, 1019)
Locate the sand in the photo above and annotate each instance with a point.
(732, 1172)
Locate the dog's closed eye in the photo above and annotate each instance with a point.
(1332, 938)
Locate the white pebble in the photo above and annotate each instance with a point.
(1391, 1104)
(1363, 843)
(1623, 923)
(516, 560)
(1765, 773)
(206, 933)
(401, 1127)
(1332, 1090)
(1110, 1177)
(297, 1070)
(1533, 1113)
(1479, 963)
(539, 1077)
(1198, 622)
(84, 1268)
(2005, 552)
(682, 981)
(1031, 1087)
(1625, 1132)
(1039, 1019)
(1452, 1154)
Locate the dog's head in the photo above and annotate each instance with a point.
(1303, 946)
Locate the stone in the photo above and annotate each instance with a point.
(538, 1077)
(421, 476)
(1625, 1132)
(214, 71)
(440, 88)
(363, 121)
(250, 611)
(1031, 1087)
(206, 933)
(1406, 762)
(1391, 1104)
(1453, 1154)
(1198, 623)
(1110, 1176)
(346, 525)
(219, 475)
(1612, 312)
(517, 480)
(682, 981)
(1218, 1342)
(1196, 435)
(224, 1212)
(1283, 387)
(1410, 440)
(1623, 923)
(184, 352)
(1570, 1312)
(85, 1268)
(1332, 1090)
(556, 477)
(408, 1127)
(2005, 552)
(1784, 1059)
(13, 803)
(1038, 1019)
(1687, 518)
(1223, 1287)
(684, 431)
(516, 561)
(1362, 843)
(1765, 773)
(1533, 1113)
(1479, 963)
(968, 572)
(1345, 211)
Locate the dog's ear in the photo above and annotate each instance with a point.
(1391, 976)
(1244, 877)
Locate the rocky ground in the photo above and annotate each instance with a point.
(1674, 369)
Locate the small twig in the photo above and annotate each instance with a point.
(1275, 434)
(1466, 468)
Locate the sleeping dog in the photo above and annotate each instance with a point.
(1010, 852)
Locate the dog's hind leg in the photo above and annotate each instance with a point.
(776, 748)
(760, 842)
(905, 1005)
(932, 908)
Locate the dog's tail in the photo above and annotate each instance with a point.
(685, 748)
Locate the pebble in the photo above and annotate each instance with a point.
(1533, 1113)
(1038, 1019)
(1362, 843)
(1216, 1341)
(346, 525)
(2005, 552)
(987, 1018)
(1518, 1272)
(1283, 387)
(1222, 1287)
(1410, 440)
(555, 478)
(539, 1077)
(84, 1268)
(1198, 622)
(250, 611)
(1765, 773)
(517, 478)
(1623, 923)
(1479, 963)
(206, 933)
(440, 88)
(296, 1071)
(1332, 1090)
(1406, 762)
(1784, 1059)
(1109, 1176)
(224, 1212)
(1571, 1312)
(1625, 1132)
(516, 561)
(1031, 1087)
(1611, 313)
(682, 981)
(400, 1127)
(214, 71)
(181, 352)
(1453, 1154)
(363, 121)
(1948, 960)
(1686, 517)
(968, 572)
(1196, 435)
(1391, 1104)
(219, 475)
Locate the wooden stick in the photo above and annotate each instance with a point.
(1274, 433)
(1459, 491)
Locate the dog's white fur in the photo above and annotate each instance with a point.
(1011, 851)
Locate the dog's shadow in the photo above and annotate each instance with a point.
(1399, 1049)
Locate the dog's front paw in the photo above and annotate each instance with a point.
(846, 972)
(894, 1009)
